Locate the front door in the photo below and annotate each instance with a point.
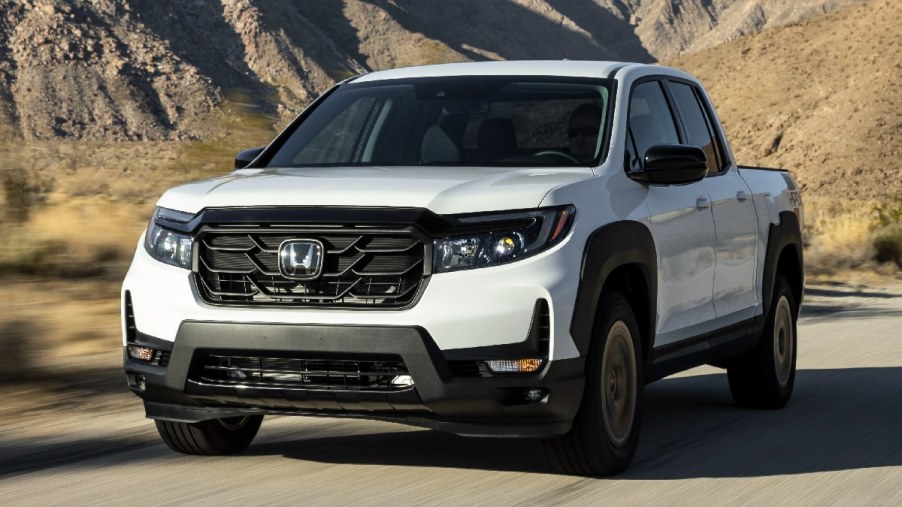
(681, 222)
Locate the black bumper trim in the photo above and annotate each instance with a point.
(470, 406)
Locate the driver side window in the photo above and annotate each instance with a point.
(650, 120)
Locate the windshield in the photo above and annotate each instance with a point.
(474, 120)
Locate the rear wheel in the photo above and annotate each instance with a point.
(605, 432)
(214, 437)
(764, 376)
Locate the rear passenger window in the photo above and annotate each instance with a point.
(650, 120)
(697, 129)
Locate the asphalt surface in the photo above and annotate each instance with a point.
(839, 441)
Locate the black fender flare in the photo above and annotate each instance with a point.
(788, 233)
(608, 248)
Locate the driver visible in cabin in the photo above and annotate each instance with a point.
(582, 131)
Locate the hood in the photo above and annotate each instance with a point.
(444, 190)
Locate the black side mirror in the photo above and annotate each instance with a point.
(672, 164)
(245, 157)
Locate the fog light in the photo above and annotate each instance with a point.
(514, 365)
(402, 381)
(535, 394)
(141, 382)
(140, 353)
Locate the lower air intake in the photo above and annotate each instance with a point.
(299, 373)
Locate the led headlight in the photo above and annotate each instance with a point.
(532, 232)
(166, 245)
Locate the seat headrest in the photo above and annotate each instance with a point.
(497, 135)
(437, 147)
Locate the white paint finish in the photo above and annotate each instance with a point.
(161, 295)
(443, 190)
(487, 306)
(563, 68)
(771, 195)
(684, 240)
(736, 250)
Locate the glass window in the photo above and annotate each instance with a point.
(695, 123)
(336, 140)
(485, 120)
(651, 122)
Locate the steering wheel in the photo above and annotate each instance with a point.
(558, 153)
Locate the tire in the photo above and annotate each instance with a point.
(605, 431)
(214, 437)
(764, 376)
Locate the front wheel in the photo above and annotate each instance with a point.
(214, 437)
(764, 376)
(605, 432)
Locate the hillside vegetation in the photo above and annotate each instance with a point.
(151, 70)
(822, 98)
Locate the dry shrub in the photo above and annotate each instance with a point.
(847, 235)
(836, 235)
(17, 339)
(887, 236)
(73, 237)
(840, 242)
(21, 252)
(98, 237)
(888, 245)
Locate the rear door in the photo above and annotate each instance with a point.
(681, 223)
(735, 222)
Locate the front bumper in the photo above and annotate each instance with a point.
(475, 406)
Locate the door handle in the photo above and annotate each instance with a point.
(742, 196)
(702, 203)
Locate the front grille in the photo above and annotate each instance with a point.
(250, 370)
(361, 268)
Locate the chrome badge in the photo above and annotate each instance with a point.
(301, 259)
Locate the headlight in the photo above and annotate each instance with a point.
(166, 245)
(537, 231)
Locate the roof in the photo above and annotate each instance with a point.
(565, 68)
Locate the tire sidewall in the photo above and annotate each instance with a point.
(767, 356)
(613, 308)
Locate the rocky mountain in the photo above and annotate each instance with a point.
(145, 69)
(822, 98)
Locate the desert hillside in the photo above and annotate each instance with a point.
(151, 70)
(822, 97)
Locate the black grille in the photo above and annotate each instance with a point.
(251, 370)
(469, 369)
(360, 268)
(130, 329)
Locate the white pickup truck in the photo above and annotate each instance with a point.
(499, 248)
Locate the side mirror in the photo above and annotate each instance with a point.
(245, 157)
(672, 164)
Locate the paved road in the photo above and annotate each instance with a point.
(838, 442)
